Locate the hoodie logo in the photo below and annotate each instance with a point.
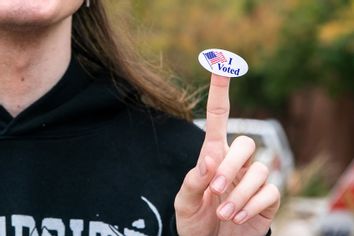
(25, 225)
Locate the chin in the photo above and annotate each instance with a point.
(18, 14)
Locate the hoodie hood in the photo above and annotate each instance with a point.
(77, 103)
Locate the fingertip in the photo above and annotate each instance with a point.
(219, 80)
(219, 76)
(241, 217)
(226, 211)
(219, 182)
(218, 185)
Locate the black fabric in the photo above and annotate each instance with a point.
(80, 161)
(173, 227)
(269, 232)
(173, 231)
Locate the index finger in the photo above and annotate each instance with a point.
(218, 108)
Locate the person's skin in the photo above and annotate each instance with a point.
(35, 49)
(225, 194)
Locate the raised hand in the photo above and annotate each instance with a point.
(225, 193)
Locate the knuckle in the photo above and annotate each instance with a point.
(274, 191)
(219, 111)
(246, 142)
(178, 203)
(180, 206)
(242, 197)
(189, 183)
(261, 169)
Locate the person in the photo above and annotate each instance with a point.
(94, 142)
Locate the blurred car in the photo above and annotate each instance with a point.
(272, 147)
(342, 195)
(339, 220)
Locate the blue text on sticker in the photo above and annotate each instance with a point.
(222, 62)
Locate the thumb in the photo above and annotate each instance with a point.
(190, 197)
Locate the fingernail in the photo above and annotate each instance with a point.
(219, 184)
(240, 217)
(227, 211)
(202, 168)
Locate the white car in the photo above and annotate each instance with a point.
(272, 146)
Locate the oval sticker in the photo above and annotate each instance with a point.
(222, 62)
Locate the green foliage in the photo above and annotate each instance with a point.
(288, 44)
(337, 65)
(316, 186)
(302, 60)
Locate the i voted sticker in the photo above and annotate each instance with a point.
(222, 62)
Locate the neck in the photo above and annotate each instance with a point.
(31, 63)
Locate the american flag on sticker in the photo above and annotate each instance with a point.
(214, 57)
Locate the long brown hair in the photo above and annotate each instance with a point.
(99, 48)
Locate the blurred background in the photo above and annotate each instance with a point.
(301, 59)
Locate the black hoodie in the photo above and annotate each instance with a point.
(81, 162)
